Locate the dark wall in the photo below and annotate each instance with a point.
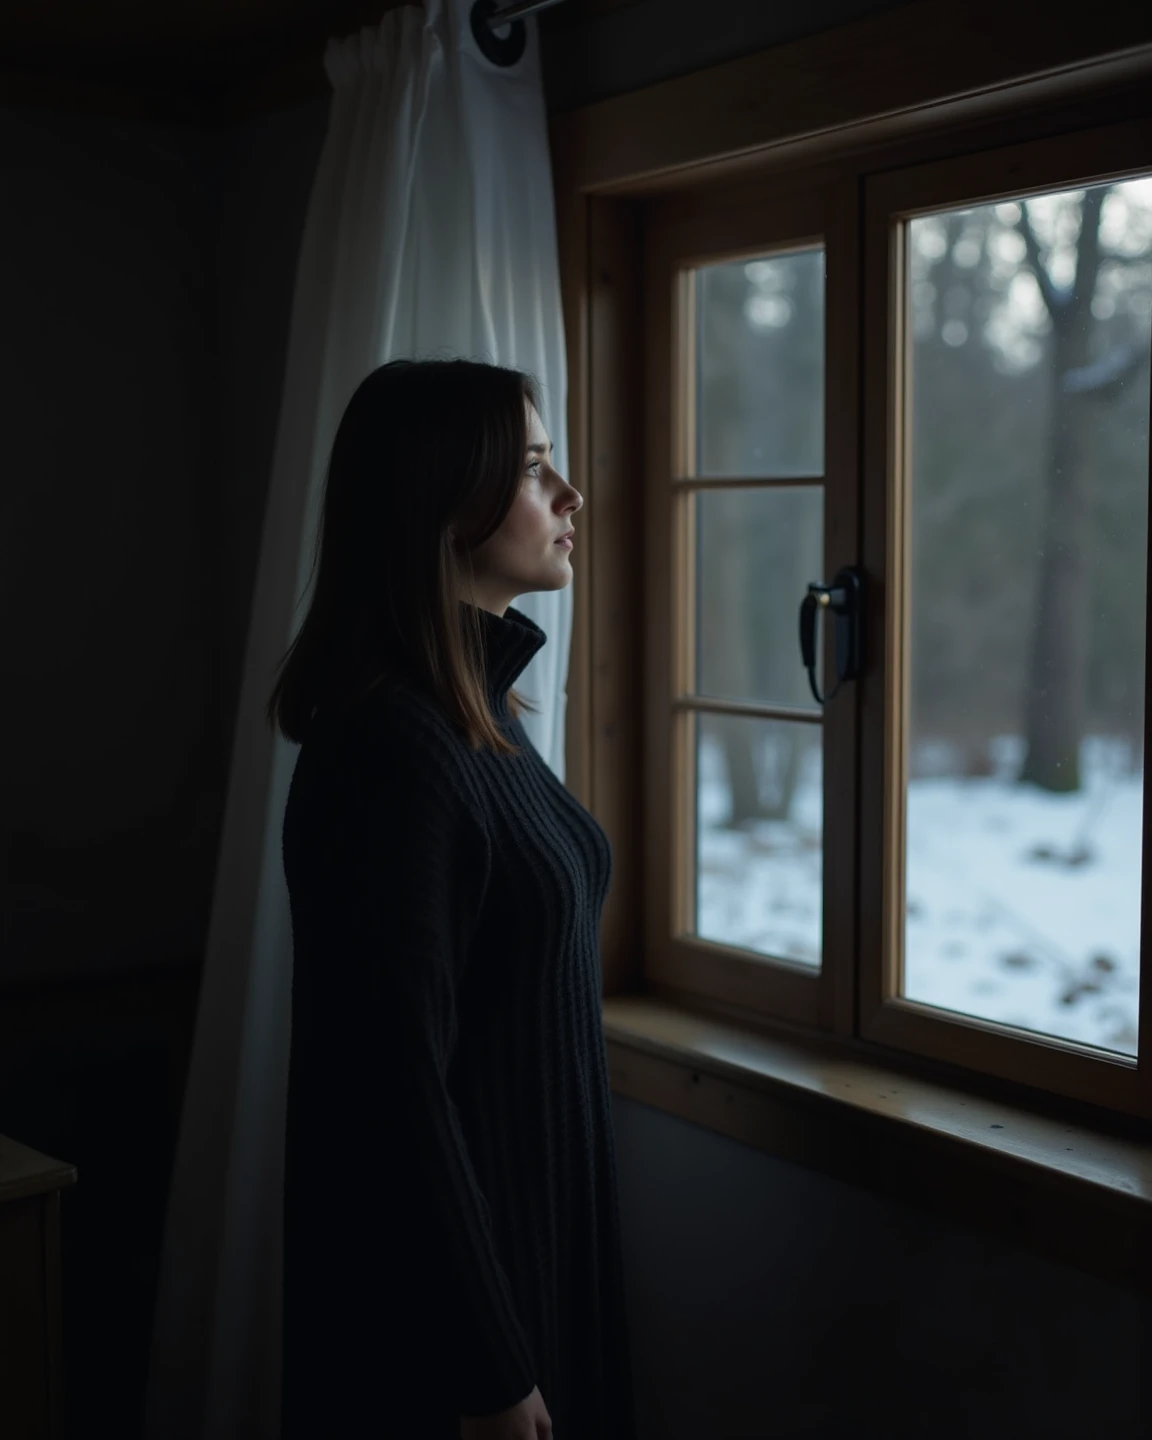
(111, 735)
(647, 41)
(107, 586)
(149, 277)
(772, 1303)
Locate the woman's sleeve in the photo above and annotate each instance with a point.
(386, 887)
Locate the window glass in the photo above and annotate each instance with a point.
(1028, 339)
(760, 349)
(759, 836)
(757, 550)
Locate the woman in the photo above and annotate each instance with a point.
(452, 1264)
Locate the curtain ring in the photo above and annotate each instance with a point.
(501, 52)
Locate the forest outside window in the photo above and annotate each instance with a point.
(1027, 494)
(986, 908)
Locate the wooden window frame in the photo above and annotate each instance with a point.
(1117, 1081)
(1036, 85)
(675, 242)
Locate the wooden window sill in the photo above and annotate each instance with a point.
(1064, 1187)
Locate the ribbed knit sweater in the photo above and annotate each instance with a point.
(451, 1230)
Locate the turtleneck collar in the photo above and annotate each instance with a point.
(510, 641)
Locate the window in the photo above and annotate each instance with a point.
(951, 393)
(1025, 604)
(1007, 480)
(754, 503)
(752, 478)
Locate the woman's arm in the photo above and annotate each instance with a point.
(386, 873)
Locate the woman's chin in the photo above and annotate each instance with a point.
(560, 571)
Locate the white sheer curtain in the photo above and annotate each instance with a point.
(430, 233)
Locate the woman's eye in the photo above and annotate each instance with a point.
(533, 462)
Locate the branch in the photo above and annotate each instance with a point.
(1105, 377)
(1056, 300)
(1088, 245)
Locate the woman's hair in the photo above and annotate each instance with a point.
(425, 448)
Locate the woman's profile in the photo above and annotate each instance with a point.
(452, 1262)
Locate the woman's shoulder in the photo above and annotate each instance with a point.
(393, 709)
(394, 740)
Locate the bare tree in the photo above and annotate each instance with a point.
(1056, 696)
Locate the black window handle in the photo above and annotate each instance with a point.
(844, 598)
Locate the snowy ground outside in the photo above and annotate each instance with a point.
(1022, 907)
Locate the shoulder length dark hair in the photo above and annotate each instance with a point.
(425, 448)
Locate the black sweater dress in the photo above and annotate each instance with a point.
(451, 1230)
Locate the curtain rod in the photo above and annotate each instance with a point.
(516, 12)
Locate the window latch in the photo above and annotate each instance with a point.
(844, 598)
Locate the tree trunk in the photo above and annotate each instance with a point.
(1055, 702)
(737, 736)
(730, 599)
(790, 752)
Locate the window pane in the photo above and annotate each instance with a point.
(759, 836)
(1029, 334)
(760, 379)
(756, 552)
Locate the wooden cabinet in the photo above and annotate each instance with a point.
(31, 1401)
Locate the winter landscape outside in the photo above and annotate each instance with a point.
(1029, 325)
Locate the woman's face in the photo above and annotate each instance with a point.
(523, 555)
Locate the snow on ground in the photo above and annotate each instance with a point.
(1022, 907)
